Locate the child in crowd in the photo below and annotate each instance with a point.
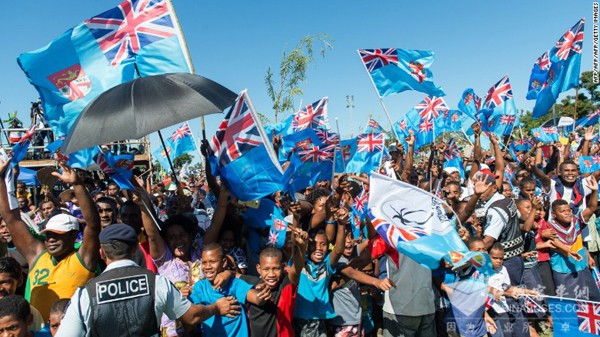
(207, 291)
(57, 312)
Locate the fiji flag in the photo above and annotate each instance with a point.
(467, 299)
(421, 119)
(301, 140)
(589, 164)
(161, 154)
(563, 71)
(450, 120)
(470, 104)
(19, 150)
(262, 216)
(118, 168)
(394, 70)
(373, 127)
(499, 112)
(367, 156)
(574, 318)
(454, 158)
(361, 204)
(78, 159)
(539, 73)
(313, 116)
(413, 221)
(523, 145)
(545, 134)
(344, 153)
(245, 157)
(99, 54)
(588, 120)
(309, 166)
(182, 140)
(277, 231)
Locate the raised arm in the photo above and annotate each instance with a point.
(211, 181)
(156, 243)
(592, 200)
(342, 217)
(538, 173)
(89, 250)
(408, 159)
(212, 233)
(477, 152)
(480, 187)
(25, 242)
(500, 164)
(301, 242)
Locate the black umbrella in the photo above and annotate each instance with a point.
(134, 109)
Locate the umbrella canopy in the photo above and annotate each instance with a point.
(134, 109)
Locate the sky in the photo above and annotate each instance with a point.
(476, 43)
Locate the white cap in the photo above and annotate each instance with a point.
(61, 223)
(451, 169)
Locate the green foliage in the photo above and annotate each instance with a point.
(292, 72)
(182, 160)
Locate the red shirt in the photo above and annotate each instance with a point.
(543, 254)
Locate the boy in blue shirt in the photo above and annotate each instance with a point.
(205, 292)
(313, 304)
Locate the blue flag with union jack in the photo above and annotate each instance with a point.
(298, 141)
(309, 166)
(278, 230)
(313, 116)
(588, 120)
(19, 150)
(589, 164)
(499, 112)
(574, 317)
(361, 154)
(100, 53)
(453, 158)
(117, 167)
(539, 73)
(562, 70)
(244, 154)
(182, 140)
(394, 70)
(373, 127)
(450, 120)
(421, 119)
(470, 103)
(545, 134)
(161, 154)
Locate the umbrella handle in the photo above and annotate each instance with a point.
(173, 175)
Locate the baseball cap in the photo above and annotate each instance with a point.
(451, 170)
(119, 232)
(393, 147)
(61, 223)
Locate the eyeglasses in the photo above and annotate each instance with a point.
(105, 210)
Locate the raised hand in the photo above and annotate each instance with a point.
(592, 183)
(68, 174)
(4, 166)
(480, 185)
(589, 133)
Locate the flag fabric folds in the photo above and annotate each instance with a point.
(394, 70)
(309, 166)
(117, 167)
(470, 103)
(101, 53)
(245, 157)
(373, 127)
(574, 317)
(312, 116)
(413, 221)
(545, 134)
(499, 112)
(19, 150)
(454, 158)
(589, 164)
(182, 140)
(160, 154)
(277, 231)
(558, 72)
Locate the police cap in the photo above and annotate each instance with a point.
(119, 232)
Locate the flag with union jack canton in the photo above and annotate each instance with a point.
(574, 317)
(394, 70)
(453, 158)
(182, 140)
(361, 154)
(312, 116)
(19, 150)
(300, 140)
(589, 164)
(99, 54)
(545, 134)
(562, 70)
(538, 76)
(470, 104)
(588, 120)
(244, 154)
(421, 119)
(308, 166)
(373, 127)
(499, 112)
(117, 167)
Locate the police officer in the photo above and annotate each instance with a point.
(127, 300)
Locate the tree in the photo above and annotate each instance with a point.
(182, 160)
(292, 72)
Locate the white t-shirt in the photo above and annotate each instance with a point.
(500, 281)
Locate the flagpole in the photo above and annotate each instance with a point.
(186, 52)
(380, 99)
(339, 135)
(466, 136)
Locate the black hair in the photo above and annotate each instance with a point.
(10, 266)
(497, 246)
(526, 180)
(520, 201)
(189, 225)
(567, 162)
(557, 203)
(15, 306)
(316, 194)
(271, 252)
(213, 246)
(60, 306)
(472, 241)
(130, 203)
(110, 201)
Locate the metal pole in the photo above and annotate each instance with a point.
(173, 175)
(340, 135)
(350, 106)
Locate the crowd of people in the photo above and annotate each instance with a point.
(97, 261)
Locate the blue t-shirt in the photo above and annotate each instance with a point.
(203, 293)
(313, 291)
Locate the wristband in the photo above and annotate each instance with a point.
(330, 222)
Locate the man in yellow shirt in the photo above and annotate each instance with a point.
(56, 268)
